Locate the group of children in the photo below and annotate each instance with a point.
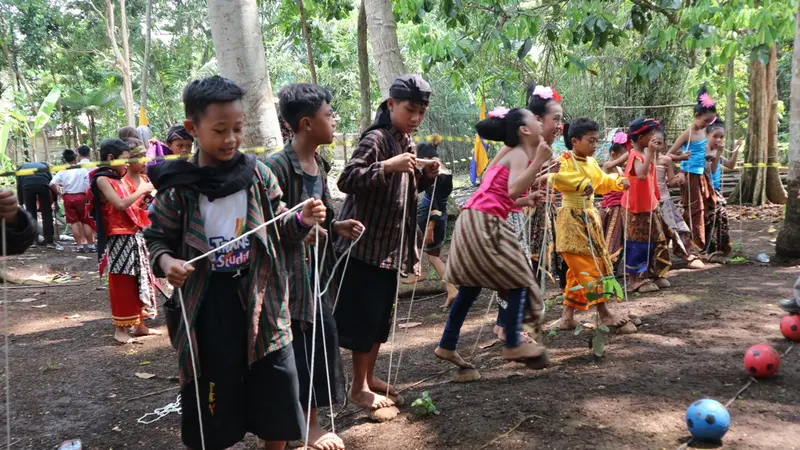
(268, 311)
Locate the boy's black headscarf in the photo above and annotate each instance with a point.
(407, 87)
(213, 182)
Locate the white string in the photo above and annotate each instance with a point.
(159, 413)
(543, 250)
(194, 368)
(689, 186)
(5, 334)
(416, 280)
(400, 262)
(186, 320)
(313, 333)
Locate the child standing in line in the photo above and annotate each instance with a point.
(485, 251)
(136, 176)
(675, 228)
(579, 232)
(718, 245)
(301, 175)
(611, 212)
(114, 205)
(696, 190)
(545, 103)
(381, 181)
(646, 251)
(434, 201)
(72, 186)
(237, 298)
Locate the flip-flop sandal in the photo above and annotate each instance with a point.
(644, 288)
(662, 283)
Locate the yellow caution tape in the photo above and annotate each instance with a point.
(750, 165)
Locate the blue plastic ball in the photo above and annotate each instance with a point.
(708, 420)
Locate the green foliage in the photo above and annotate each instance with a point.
(424, 405)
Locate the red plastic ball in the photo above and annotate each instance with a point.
(790, 327)
(762, 361)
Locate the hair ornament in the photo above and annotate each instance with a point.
(544, 92)
(620, 137)
(498, 112)
(706, 101)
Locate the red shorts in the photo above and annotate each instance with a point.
(75, 208)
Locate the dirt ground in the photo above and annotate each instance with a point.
(69, 380)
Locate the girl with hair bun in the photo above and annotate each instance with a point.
(690, 149)
(718, 245)
(485, 251)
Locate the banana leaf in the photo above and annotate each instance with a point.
(46, 110)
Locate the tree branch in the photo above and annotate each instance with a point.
(670, 15)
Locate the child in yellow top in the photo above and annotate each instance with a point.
(579, 232)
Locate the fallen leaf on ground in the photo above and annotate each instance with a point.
(26, 300)
(409, 324)
(38, 306)
(74, 316)
(145, 375)
(771, 230)
(144, 363)
(116, 429)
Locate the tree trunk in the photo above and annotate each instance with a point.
(730, 107)
(788, 241)
(385, 47)
(146, 67)
(121, 58)
(93, 136)
(240, 55)
(759, 183)
(363, 70)
(773, 189)
(307, 38)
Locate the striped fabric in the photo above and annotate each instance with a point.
(485, 252)
(285, 165)
(177, 230)
(376, 200)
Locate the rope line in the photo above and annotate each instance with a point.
(5, 335)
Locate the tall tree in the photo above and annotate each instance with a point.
(307, 38)
(788, 241)
(240, 56)
(363, 69)
(146, 66)
(385, 47)
(122, 57)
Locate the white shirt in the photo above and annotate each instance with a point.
(73, 181)
(224, 220)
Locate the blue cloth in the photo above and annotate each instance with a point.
(697, 161)
(464, 300)
(716, 177)
(637, 255)
(439, 222)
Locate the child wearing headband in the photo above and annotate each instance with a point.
(381, 181)
(611, 212)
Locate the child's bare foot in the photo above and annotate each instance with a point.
(642, 286)
(369, 400)
(321, 439)
(500, 332)
(378, 385)
(568, 324)
(452, 291)
(695, 263)
(411, 279)
(142, 330)
(608, 319)
(121, 336)
(453, 357)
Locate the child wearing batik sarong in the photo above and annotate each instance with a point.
(718, 239)
(485, 251)
(119, 219)
(611, 212)
(674, 227)
(696, 190)
(646, 251)
(579, 232)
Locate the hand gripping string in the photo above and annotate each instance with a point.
(186, 323)
(416, 280)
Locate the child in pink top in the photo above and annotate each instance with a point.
(485, 251)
